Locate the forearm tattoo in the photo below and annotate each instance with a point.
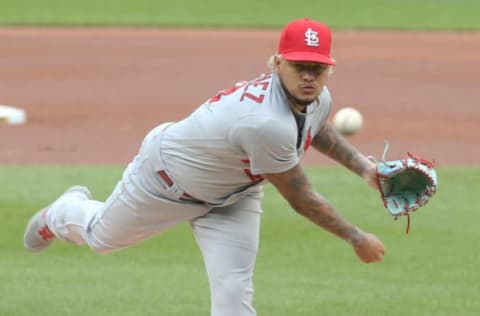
(331, 143)
(297, 190)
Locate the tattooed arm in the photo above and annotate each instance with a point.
(296, 189)
(329, 142)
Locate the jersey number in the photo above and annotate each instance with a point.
(253, 90)
(256, 95)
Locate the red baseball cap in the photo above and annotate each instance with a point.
(306, 40)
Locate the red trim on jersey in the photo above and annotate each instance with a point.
(248, 172)
(308, 141)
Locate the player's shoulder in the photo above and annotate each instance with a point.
(266, 130)
(278, 128)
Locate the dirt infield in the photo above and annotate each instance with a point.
(92, 94)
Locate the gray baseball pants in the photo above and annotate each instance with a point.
(142, 206)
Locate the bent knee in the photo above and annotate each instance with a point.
(233, 292)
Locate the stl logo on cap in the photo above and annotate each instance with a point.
(306, 40)
(311, 37)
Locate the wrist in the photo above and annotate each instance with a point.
(369, 167)
(369, 174)
(355, 236)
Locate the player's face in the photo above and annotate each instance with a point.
(303, 81)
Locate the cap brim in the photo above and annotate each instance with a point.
(306, 56)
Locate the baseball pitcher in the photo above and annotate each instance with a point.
(210, 168)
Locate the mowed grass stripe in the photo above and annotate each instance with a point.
(342, 14)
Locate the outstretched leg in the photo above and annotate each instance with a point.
(138, 208)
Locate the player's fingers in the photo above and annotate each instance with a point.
(374, 254)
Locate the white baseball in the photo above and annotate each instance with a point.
(348, 121)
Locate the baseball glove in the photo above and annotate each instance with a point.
(406, 185)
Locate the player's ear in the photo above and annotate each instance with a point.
(330, 70)
(273, 63)
(277, 60)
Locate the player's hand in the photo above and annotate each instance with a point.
(369, 248)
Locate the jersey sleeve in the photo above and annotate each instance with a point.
(270, 147)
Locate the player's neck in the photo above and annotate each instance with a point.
(298, 108)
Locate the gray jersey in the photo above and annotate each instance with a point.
(220, 151)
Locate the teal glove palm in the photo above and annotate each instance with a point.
(406, 185)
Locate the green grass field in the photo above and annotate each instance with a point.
(301, 270)
(352, 14)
